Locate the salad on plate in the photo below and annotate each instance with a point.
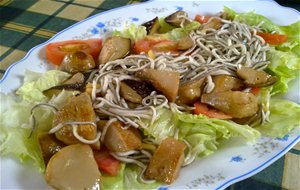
(129, 111)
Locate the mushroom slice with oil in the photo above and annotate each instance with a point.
(254, 78)
(114, 47)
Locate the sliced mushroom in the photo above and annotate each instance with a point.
(225, 83)
(77, 78)
(49, 145)
(235, 103)
(129, 94)
(190, 91)
(177, 18)
(254, 78)
(167, 82)
(78, 108)
(213, 23)
(77, 61)
(73, 167)
(166, 161)
(142, 88)
(118, 139)
(114, 47)
(152, 26)
(55, 90)
(185, 43)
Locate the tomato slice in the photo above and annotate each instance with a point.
(107, 163)
(255, 90)
(155, 45)
(143, 46)
(56, 51)
(202, 19)
(201, 108)
(273, 39)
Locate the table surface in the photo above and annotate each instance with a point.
(27, 23)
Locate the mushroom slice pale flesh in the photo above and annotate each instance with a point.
(185, 43)
(234, 103)
(77, 61)
(167, 82)
(225, 83)
(176, 18)
(254, 78)
(129, 94)
(190, 91)
(118, 139)
(114, 47)
(73, 167)
(166, 161)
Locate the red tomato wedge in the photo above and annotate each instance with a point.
(202, 19)
(273, 39)
(143, 46)
(107, 163)
(201, 108)
(255, 90)
(159, 46)
(56, 51)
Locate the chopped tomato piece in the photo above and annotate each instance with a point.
(56, 51)
(143, 46)
(201, 108)
(255, 90)
(273, 39)
(106, 162)
(155, 45)
(202, 19)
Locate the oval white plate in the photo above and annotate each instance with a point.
(234, 161)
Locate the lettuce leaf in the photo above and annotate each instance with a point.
(201, 132)
(253, 19)
(127, 179)
(133, 32)
(286, 65)
(32, 89)
(284, 116)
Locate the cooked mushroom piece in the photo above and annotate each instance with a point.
(77, 78)
(225, 83)
(213, 23)
(177, 18)
(49, 145)
(118, 139)
(167, 82)
(79, 109)
(55, 90)
(190, 91)
(129, 94)
(114, 47)
(142, 88)
(77, 61)
(254, 78)
(73, 167)
(235, 103)
(166, 161)
(152, 26)
(185, 43)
